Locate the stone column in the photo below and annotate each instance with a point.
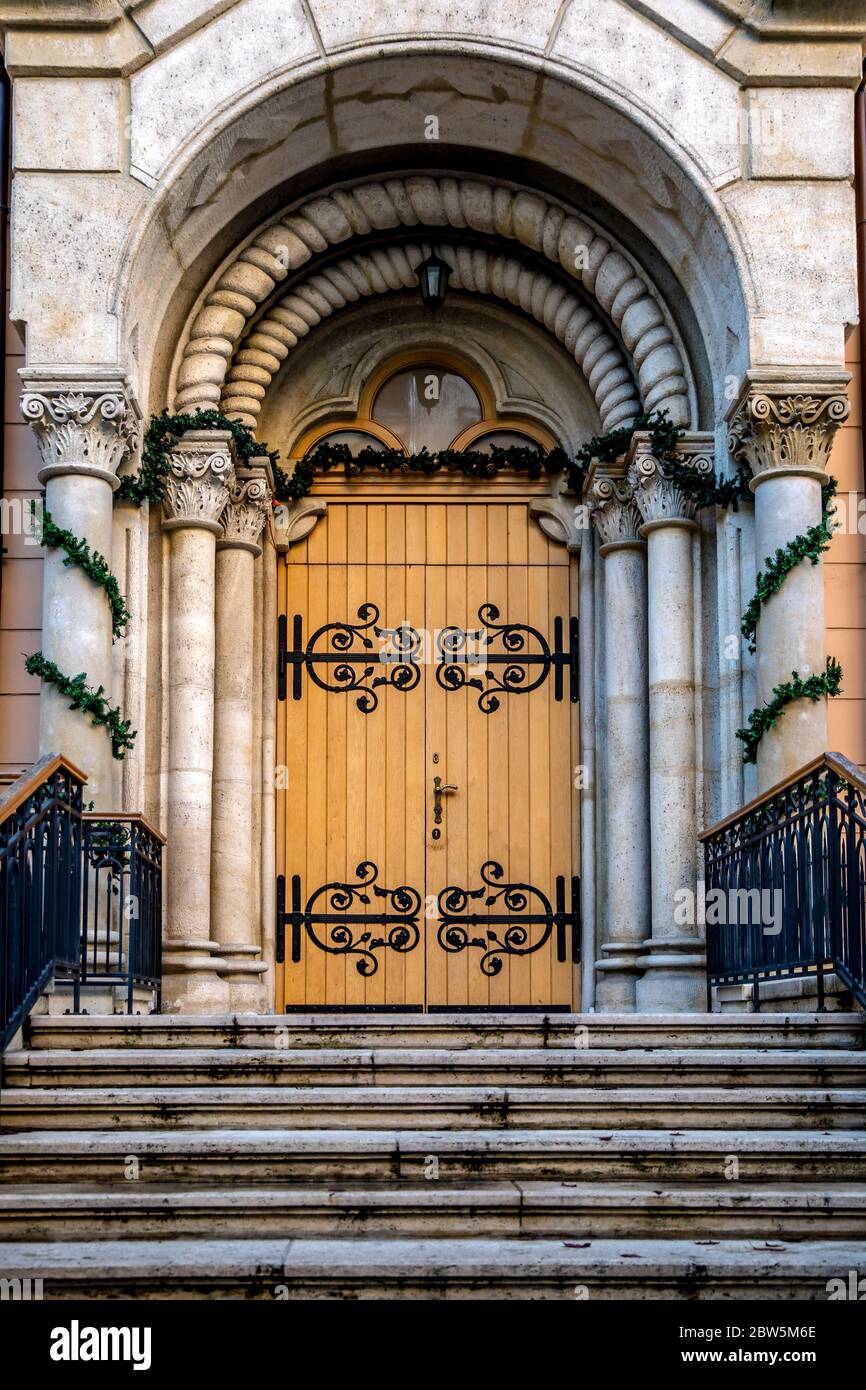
(626, 751)
(268, 761)
(673, 966)
(234, 900)
(197, 489)
(85, 424)
(784, 430)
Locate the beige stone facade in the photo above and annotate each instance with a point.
(646, 206)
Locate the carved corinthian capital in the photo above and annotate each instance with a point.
(201, 471)
(85, 422)
(658, 496)
(246, 511)
(785, 424)
(612, 508)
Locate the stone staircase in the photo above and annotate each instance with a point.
(395, 1156)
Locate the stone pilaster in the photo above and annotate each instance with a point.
(783, 428)
(201, 474)
(673, 963)
(85, 422)
(234, 901)
(625, 748)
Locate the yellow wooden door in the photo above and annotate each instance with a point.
(411, 631)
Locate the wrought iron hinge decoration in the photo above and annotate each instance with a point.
(496, 659)
(347, 657)
(517, 669)
(348, 932)
(510, 932)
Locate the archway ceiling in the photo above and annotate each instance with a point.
(430, 202)
(591, 149)
(391, 269)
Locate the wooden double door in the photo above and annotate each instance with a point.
(427, 640)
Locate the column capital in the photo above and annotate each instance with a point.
(246, 511)
(786, 422)
(611, 502)
(86, 420)
(659, 498)
(201, 469)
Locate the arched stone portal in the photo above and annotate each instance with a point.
(606, 194)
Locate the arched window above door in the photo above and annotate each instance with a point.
(424, 402)
(427, 406)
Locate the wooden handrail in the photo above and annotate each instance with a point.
(127, 816)
(837, 761)
(29, 782)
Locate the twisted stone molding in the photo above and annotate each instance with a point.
(779, 427)
(82, 425)
(201, 472)
(427, 202)
(392, 268)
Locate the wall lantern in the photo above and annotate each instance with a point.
(433, 274)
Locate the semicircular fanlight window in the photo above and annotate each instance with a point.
(426, 406)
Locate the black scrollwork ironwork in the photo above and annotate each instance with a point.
(348, 932)
(507, 933)
(513, 658)
(345, 654)
(497, 659)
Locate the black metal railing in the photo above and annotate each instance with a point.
(80, 894)
(785, 884)
(41, 837)
(121, 916)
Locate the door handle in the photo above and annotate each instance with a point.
(438, 792)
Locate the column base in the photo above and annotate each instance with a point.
(616, 978)
(674, 979)
(191, 983)
(243, 970)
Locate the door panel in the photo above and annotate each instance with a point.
(362, 744)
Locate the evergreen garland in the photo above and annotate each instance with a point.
(165, 430)
(829, 682)
(810, 546)
(162, 435)
(713, 489)
(708, 489)
(78, 552)
(148, 484)
(607, 448)
(472, 463)
(82, 696)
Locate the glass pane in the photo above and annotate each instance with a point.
(503, 439)
(426, 407)
(356, 440)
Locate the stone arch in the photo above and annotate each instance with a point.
(548, 229)
(390, 269)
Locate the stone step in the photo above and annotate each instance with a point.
(449, 1107)
(576, 1210)
(830, 1068)
(399, 1269)
(245, 1156)
(487, 1030)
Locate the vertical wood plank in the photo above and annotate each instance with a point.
(358, 592)
(437, 744)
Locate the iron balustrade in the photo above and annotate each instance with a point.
(785, 882)
(121, 938)
(80, 894)
(41, 838)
